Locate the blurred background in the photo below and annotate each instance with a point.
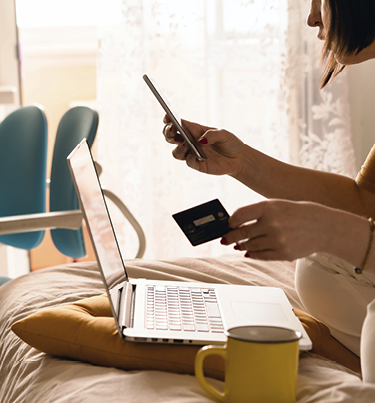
(251, 67)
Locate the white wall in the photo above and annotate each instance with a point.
(9, 72)
(13, 262)
(362, 101)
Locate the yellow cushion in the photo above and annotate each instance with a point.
(86, 331)
(317, 331)
(325, 344)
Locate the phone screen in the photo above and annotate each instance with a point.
(188, 138)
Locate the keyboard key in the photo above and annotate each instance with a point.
(202, 327)
(189, 327)
(213, 310)
(161, 327)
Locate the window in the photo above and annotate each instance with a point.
(47, 13)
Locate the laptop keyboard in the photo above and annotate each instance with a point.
(183, 309)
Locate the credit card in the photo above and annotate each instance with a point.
(203, 223)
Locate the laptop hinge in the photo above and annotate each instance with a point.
(127, 306)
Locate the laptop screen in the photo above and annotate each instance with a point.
(95, 210)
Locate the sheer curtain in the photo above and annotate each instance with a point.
(248, 66)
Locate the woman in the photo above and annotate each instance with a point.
(322, 219)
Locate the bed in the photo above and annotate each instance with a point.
(28, 375)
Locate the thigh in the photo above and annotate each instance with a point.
(331, 292)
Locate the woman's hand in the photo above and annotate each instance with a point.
(279, 229)
(223, 149)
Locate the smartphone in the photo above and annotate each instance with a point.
(187, 137)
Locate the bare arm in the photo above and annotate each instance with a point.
(275, 179)
(269, 176)
(320, 211)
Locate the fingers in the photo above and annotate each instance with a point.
(255, 244)
(182, 152)
(276, 230)
(253, 234)
(246, 214)
(171, 135)
(250, 237)
(260, 247)
(256, 247)
(170, 132)
(166, 119)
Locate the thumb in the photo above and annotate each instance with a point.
(212, 136)
(195, 129)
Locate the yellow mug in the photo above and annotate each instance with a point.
(261, 365)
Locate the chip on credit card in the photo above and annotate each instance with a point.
(203, 223)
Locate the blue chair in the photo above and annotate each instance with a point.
(23, 161)
(22, 221)
(76, 124)
(23, 156)
(4, 280)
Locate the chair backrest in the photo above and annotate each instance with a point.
(76, 124)
(23, 155)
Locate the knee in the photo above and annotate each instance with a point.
(368, 345)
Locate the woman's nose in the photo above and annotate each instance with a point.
(315, 18)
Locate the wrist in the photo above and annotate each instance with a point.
(246, 166)
(346, 236)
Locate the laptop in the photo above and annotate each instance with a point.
(169, 311)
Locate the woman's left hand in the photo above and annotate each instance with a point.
(279, 229)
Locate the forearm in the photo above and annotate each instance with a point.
(275, 179)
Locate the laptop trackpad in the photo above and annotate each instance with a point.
(257, 312)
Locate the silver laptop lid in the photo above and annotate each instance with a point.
(99, 224)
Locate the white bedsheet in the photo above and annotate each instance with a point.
(27, 375)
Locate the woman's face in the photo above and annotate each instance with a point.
(318, 19)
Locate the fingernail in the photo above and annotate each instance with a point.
(236, 247)
(203, 141)
(224, 241)
(247, 254)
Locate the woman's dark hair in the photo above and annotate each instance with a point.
(351, 28)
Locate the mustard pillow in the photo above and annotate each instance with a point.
(317, 331)
(86, 331)
(325, 344)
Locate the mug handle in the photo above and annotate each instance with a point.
(199, 359)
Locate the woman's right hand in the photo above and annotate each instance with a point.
(223, 149)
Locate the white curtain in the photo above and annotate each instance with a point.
(250, 67)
